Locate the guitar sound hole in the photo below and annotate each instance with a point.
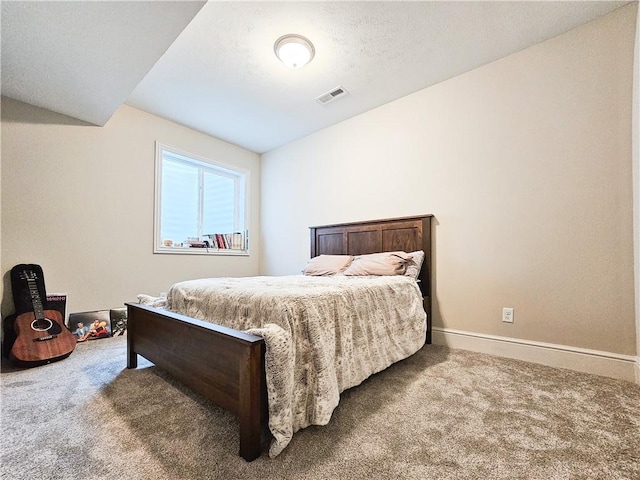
(42, 324)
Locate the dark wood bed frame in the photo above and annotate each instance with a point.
(225, 365)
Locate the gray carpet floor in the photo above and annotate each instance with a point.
(441, 414)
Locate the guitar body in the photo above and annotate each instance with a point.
(41, 341)
(41, 335)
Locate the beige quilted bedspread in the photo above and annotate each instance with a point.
(322, 334)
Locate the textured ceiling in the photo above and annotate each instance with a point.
(83, 59)
(220, 75)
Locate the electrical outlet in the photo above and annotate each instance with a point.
(507, 314)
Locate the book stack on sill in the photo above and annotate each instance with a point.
(226, 241)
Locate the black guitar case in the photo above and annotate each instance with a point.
(22, 301)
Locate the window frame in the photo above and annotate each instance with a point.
(216, 167)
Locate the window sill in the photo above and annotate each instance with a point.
(201, 251)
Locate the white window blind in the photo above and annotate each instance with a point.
(197, 201)
(180, 202)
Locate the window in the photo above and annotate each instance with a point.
(201, 206)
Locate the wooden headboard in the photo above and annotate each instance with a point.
(407, 234)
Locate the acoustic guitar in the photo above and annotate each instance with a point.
(41, 335)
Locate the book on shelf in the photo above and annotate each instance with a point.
(228, 241)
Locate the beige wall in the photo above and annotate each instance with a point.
(636, 187)
(78, 200)
(526, 164)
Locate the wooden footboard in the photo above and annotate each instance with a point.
(224, 365)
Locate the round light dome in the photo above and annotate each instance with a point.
(295, 51)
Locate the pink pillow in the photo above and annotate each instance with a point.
(327, 264)
(385, 263)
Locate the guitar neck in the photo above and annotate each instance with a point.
(38, 310)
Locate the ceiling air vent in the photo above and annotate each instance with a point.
(331, 95)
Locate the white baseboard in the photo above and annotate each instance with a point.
(623, 367)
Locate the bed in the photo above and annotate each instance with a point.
(234, 378)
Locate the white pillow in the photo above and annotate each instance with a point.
(158, 302)
(415, 264)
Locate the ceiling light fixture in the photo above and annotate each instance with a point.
(295, 51)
